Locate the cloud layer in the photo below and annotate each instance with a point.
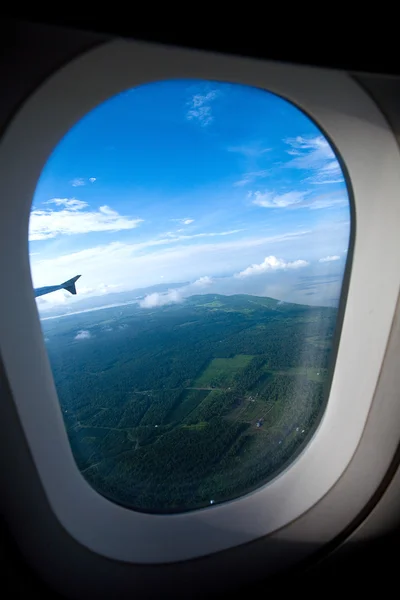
(75, 217)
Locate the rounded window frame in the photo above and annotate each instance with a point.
(353, 124)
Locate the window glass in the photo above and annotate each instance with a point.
(209, 223)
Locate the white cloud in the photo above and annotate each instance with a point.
(70, 203)
(328, 201)
(99, 290)
(329, 259)
(295, 200)
(58, 298)
(251, 177)
(315, 156)
(251, 150)
(83, 335)
(172, 237)
(271, 200)
(73, 219)
(329, 173)
(200, 108)
(203, 281)
(271, 263)
(174, 296)
(183, 221)
(159, 299)
(78, 182)
(178, 238)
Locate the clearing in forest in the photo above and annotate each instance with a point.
(220, 371)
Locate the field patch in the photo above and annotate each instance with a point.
(196, 426)
(220, 371)
(190, 399)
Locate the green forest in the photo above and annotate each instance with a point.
(178, 407)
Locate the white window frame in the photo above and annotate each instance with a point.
(369, 152)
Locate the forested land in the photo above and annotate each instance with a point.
(176, 407)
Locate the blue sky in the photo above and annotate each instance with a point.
(229, 188)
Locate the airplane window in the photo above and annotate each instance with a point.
(188, 241)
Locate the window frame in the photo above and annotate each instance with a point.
(369, 153)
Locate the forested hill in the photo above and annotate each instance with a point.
(170, 408)
(253, 303)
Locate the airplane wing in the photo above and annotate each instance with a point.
(67, 285)
(70, 285)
